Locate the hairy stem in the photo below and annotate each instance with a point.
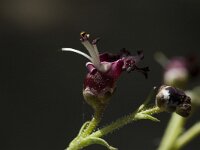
(93, 123)
(125, 120)
(87, 139)
(87, 131)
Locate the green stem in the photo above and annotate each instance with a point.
(88, 130)
(124, 120)
(184, 139)
(174, 129)
(93, 123)
(86, 138)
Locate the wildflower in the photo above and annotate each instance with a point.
(104, 70)
(173, 99)
(179, 69)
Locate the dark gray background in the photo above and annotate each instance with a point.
(42, 106)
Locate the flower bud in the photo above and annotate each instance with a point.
(176, 73)
(173, 99)
(179, 69)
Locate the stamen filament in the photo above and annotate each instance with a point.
(93, 53)
(96, 51)
(78, 52)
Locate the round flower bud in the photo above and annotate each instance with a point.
(172, 99)
(176, 72)
(179, 69)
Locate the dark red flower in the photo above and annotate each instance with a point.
(104, 70)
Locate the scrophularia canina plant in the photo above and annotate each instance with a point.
(104, 69)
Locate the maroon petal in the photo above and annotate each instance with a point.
(108, 57)
(130, 64)
(143, 70)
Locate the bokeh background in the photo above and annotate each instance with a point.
(42, 107)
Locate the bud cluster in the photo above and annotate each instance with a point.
(173, 99)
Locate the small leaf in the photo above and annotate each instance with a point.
(146, 116)
(84, 126)
(94, 140)
(152, 118)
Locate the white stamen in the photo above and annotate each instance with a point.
(96, 51)
(93, 53)
(93, 57)
(103, 66)
(90, 48)
(78, 52)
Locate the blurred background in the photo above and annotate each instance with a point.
(42, 107)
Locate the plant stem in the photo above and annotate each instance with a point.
(193, 132)
(88, 130)
(124, 120)
(174, 129)
(86, 138)
(93, 123)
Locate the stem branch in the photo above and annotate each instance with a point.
(93, 123)
(87, 137)
(123, 121)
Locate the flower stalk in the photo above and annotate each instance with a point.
(144, 114)
(87, 139)
(93, 123)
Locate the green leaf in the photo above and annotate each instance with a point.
(94, 140)
(146, 116)
(151, 118)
